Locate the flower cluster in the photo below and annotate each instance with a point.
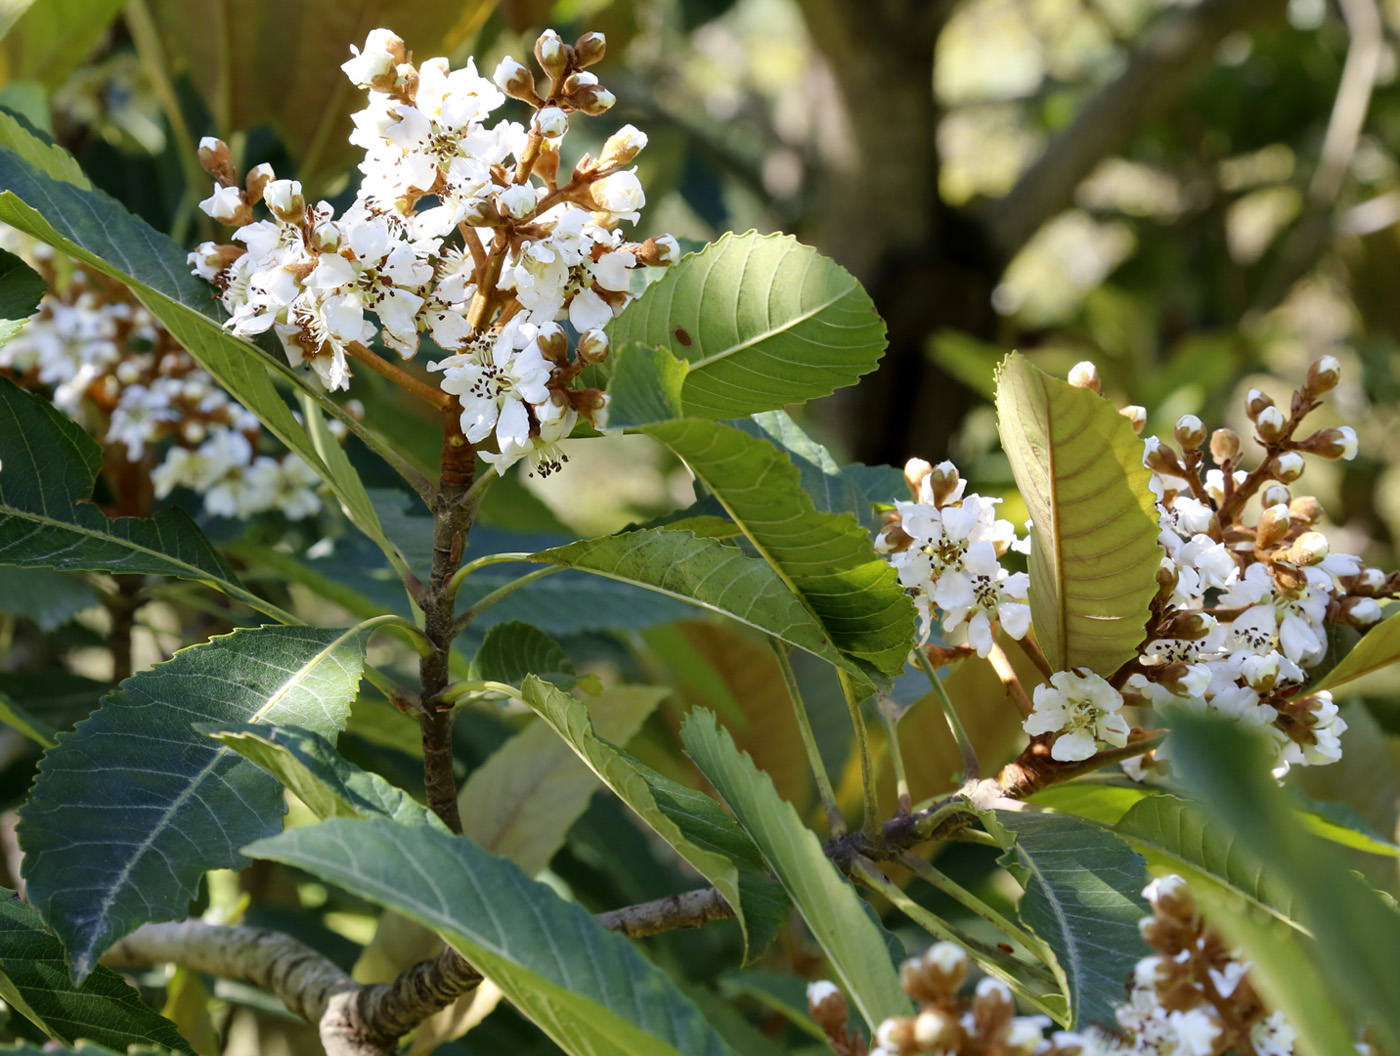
(116, 371)
(1193, 997)
(984, 1023)
(462, 230)
(1244, 600)
(946, 547)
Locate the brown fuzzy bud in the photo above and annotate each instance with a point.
(1271, 424)
(1190, 432)
(1305, 510)
(1224, 446)
(1275, 494)
(1310, 548)
(896, 1035)
(658, 252)
(553, 55)
(589, 48)
(944, 481)
(593, 346)
(485, 212)
(1160, 458)
(1136, 415)
(992, 1009)
(516, 80)
(1188, 625)
(1324, 375)
(259, 176)
(1255, 401)
(828, 1007)
(1332, 444)
(1273, 527)
(553, 343)
(592, 99)
(1084, 376)
(214, 156)
(916, 470)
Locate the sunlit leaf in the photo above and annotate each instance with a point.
(589, 989)
(1379, 647)
(826, 900)
(1094, 553)
(105, 1009)
(54, 37)
(645, 386)
(133, 806)
(764, 322)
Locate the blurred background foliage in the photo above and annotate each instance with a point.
(1198, 197)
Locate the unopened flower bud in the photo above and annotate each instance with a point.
(946, 486)
(516, 80)
(1084, 375)
(259, 176)
(285, 199)
(553, 342)
(1362, 612)
(484, 211)
(1224, 446)
(1161, 459)
(1024, 1036)
(1190, 625)
(659, 252)
(228, 206)
(1275, 494)
(589, 48)
(1136, 415)
(992, 1007)
(325, 238)
(828, 1007)
(593, 346)
(1305, 510)
(1370, 579)
(1260, 671)
(1340, 443)
(621, 193)
(896, 1034)
(551, 53)
(1190, 432)
(915, 472)
(933, 1028)
(622, 146)
(593, 100)
(551, 122)
(214, 156)
(1288, 467)
(1274, 523)
(128, 372)
(1270, 423)
(1255, 401)
(1324, 375)
(1309, 549)
(518, 201)
(192, 431)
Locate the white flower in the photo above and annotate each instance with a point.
(495, 382)
(1084, 709)
(620, 195)
(376, 60)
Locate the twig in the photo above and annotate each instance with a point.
(1001, 664)
(404, 380)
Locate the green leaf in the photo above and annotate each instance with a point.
(91, 227)
(308, 764)
(49, 598)
(84, 1048)
(1379, 647)
(21, 289)
(1083, 898)
(645, 386)
(130, 808)
(46, 521)
(512, 650)
(50, 701)
(589, 989)
(781, 993)
(1356, 933)
(52, 38)
(521, 803)
(764, 322)
(827, 902)
(39, 150)
(704, 572)
(690, 821)
(1099, 802)
(105, 1009)
(827, 560)
(1094, 552)
(1176, 836)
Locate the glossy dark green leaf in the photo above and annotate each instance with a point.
(21, 289)
(587, 988)
(132, 806)
(512, 650)
(645, 386)
(105, 1009)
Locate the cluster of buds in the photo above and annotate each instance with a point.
(983, 1023)
(1193, 995)
(116, 371)
(1243, 603)
(947, 548)
(461, 231)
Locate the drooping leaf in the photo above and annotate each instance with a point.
(46, 521)
(1379, 647)
(827, 560)
(130, 808)
(1176, 836)
(512, 650)
(52, 38)
(645, 386)
(49, 598)
(826, 900)
(91, 227)
(105, 1009)
(248, 67)
(21, 289)
(690, 821)
(308, 764)
(521, 803)
(1094, 552)
(764, 322)
(1083, 898)
(1355, 932)
(589, 989)
(704, 572)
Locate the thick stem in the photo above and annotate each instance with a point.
(122, 607)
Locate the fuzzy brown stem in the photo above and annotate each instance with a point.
(404, 380)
